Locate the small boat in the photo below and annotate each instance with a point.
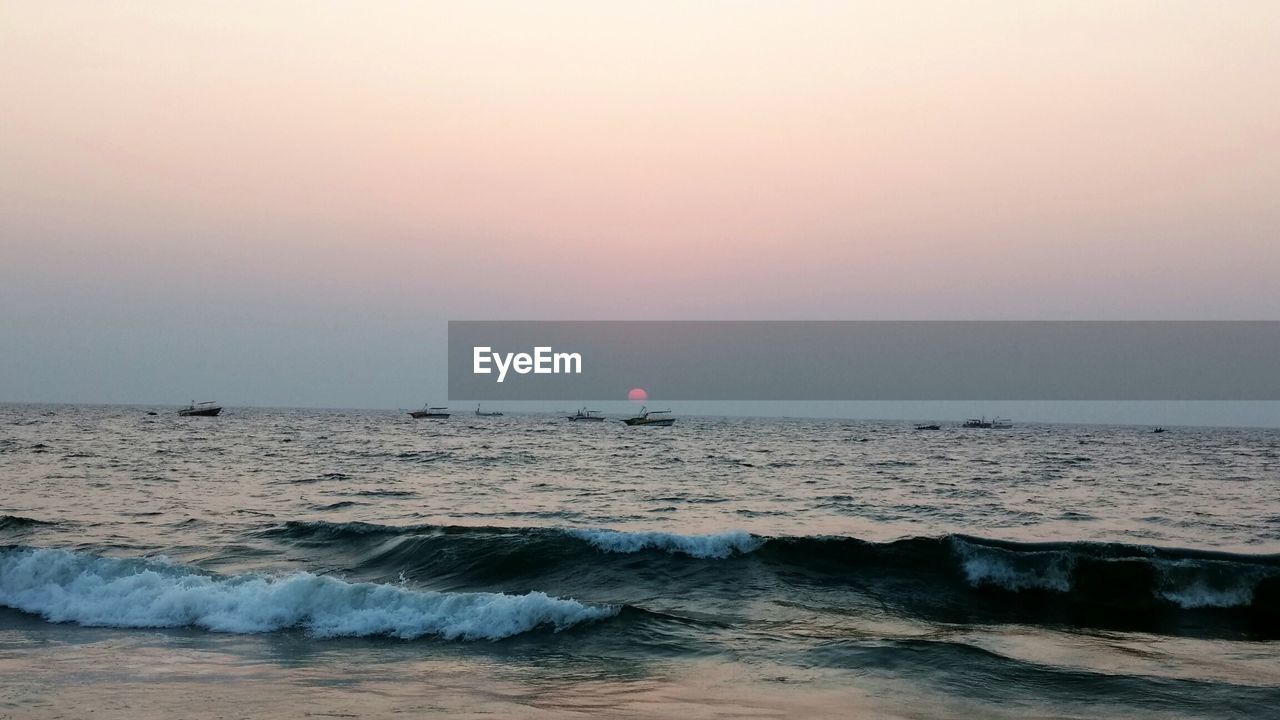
(204, 409)
(928, 427)
(996, 423)
(480, 413)
(646, 418)
(1157, 430)
(430, 412)
(586, 415)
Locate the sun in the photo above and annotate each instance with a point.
(637, 395)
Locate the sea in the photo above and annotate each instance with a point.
(343, 563)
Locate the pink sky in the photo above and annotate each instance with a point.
(425, 161)
(695, 148)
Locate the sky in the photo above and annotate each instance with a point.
(282, 203)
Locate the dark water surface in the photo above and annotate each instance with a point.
(354, 563)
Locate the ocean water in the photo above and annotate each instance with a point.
(287, 563)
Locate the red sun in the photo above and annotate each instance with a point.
(637, 395)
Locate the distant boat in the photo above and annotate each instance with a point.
(646, 418)
(204, 409)
(429, 412)
(928, 427)
(996, 423)
(586, 415)
(1157, 430)
(479, 413)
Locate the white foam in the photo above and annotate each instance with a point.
(1207, 583)
(712, 546)
(64, 586)
(1203, 596)
(1038, 570)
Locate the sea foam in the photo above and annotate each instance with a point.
(713, 546)
(64, 586)
(1207, 583)
(1021, 570)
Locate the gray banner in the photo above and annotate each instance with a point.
(864, 360)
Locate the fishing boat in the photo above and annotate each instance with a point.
(1157, 430)
(996, 423)
(481, 413)
(430, 412)
(646, 418)
(928, 427)
(585, 415)
(204, 409)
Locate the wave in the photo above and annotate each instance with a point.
(1189, 579)
(944, 578)
(1014, 570)
(1194, 578)
(18, 522)
(340, 505)
(716, 545)
(1104, 574)
(65, 586)
(709, 546)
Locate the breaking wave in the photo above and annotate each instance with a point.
(712, 546)
(64, 586)
(947, 578)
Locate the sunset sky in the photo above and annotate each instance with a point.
(281, 203)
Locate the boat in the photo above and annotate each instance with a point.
(1157, 430)
(928, 427)
(480, 413)
(995, 423)
(646, 418)
(586, 415)
(429, 412)
(204, 409)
